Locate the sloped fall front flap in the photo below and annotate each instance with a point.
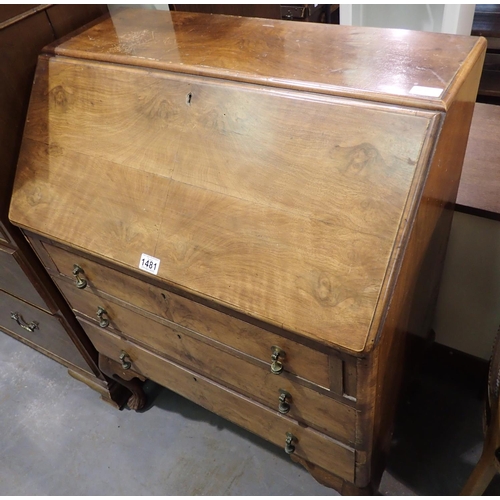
(280, 204)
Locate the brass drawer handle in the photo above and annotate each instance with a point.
(289, 443)
(103, 322)
(125, 359)
(80, 282)
(285, 399)
(276, 364)
(31, 327)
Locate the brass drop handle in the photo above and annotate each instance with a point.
(80, 282)
(31, 327)
(276, 364)
(289, 443)
(285, 399)
(103, 322)
(125, 359)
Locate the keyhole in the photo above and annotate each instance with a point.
(188, 98)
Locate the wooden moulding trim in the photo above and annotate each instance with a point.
(403, 106)
(334, 90)
(463, 73)
(24, 15)
(442, 104)
(405, 227)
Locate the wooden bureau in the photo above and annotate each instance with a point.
(252, 213)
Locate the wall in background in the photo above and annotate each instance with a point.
(468, 309)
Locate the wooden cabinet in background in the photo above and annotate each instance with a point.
(294, 12)
(253, 214)
(486, 23)
(31, 308)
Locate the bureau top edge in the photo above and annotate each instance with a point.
(394, 66)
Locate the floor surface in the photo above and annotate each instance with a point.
(58, 438)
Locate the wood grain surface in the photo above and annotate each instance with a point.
(182, 346)
(312, 445)
(309, 364)
(342, 60)
(293, 226)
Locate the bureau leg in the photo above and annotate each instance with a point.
(331, 481)
(131, 380)
(138, 399)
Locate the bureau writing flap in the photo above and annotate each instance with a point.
(282, 205)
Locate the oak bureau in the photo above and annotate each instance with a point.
(252, 213)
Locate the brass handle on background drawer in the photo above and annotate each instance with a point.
(18, 318)
(80, 282)
(125, 359)
(284, 401)
(289, 446)
(103, 322)
(276, 364)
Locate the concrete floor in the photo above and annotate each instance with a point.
(58, 438)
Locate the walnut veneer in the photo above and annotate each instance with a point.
(296, 183)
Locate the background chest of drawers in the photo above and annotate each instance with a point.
(31, 308)
(258, 238)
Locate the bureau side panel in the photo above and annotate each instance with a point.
(412, 304)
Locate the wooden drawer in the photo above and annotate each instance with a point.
(251, 378)
(311, 445)
(49, 335)
(250, 339)
(14, 279)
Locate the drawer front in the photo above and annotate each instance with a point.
(257, 342)
(14, 280)
(185, 347)
(311, 445)
(39, 329)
